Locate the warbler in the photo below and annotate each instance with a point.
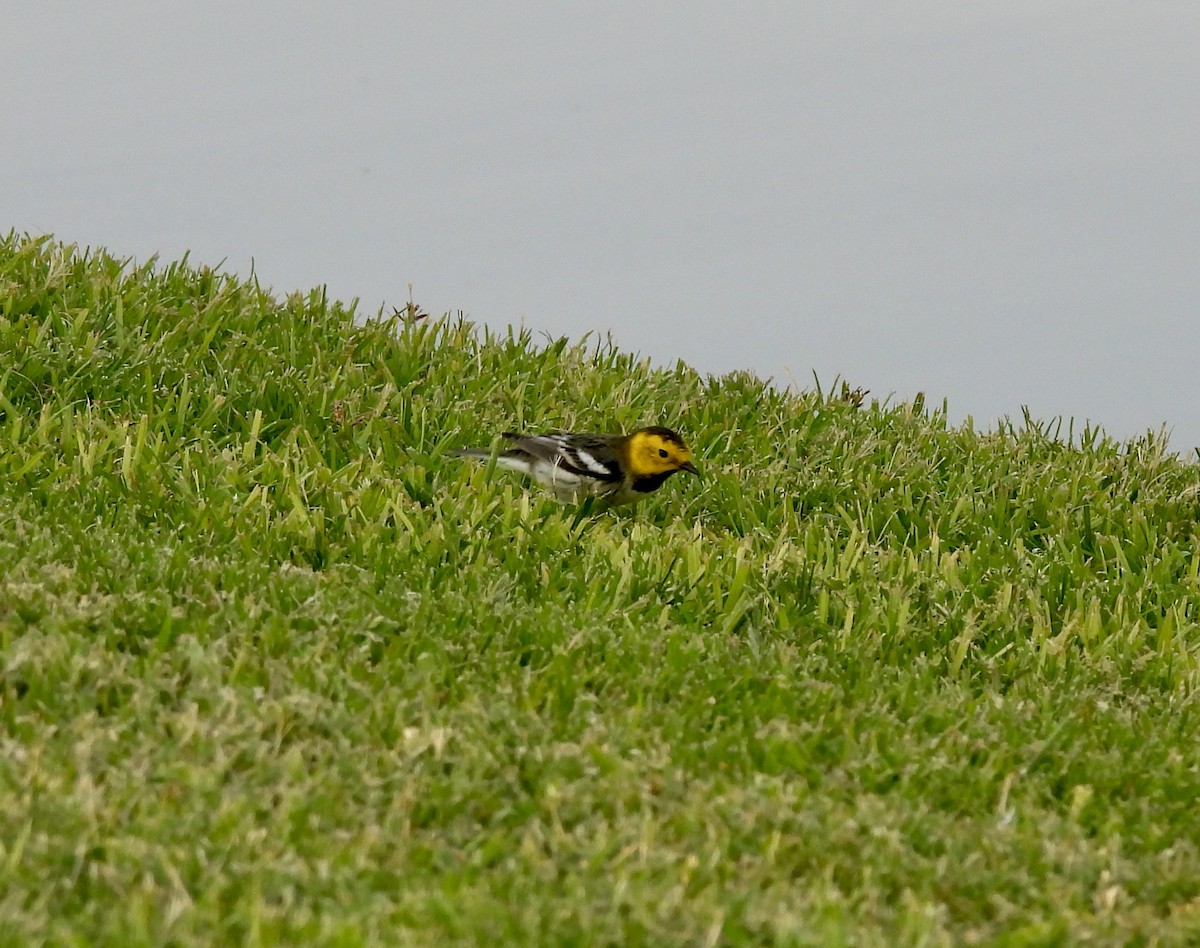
(617, 468)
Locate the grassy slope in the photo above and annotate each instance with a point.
(276, 668)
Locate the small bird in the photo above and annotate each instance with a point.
(617, 468)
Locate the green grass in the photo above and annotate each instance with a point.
(277, 669)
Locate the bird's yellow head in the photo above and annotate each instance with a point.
(658, 450)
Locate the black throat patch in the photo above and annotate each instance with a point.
(643, 485)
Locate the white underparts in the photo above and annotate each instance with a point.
(568, 487)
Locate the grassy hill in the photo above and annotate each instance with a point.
(275, 668)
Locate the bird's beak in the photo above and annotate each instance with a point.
(690, 468)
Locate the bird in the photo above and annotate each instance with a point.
(615, 468)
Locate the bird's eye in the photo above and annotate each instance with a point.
(662, 452)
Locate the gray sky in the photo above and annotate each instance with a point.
(995, 203)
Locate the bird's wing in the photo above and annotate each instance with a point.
(585, 455)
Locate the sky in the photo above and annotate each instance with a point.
(996, 204)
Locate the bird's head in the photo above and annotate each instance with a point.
(658, 450)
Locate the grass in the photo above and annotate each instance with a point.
(277, 669)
